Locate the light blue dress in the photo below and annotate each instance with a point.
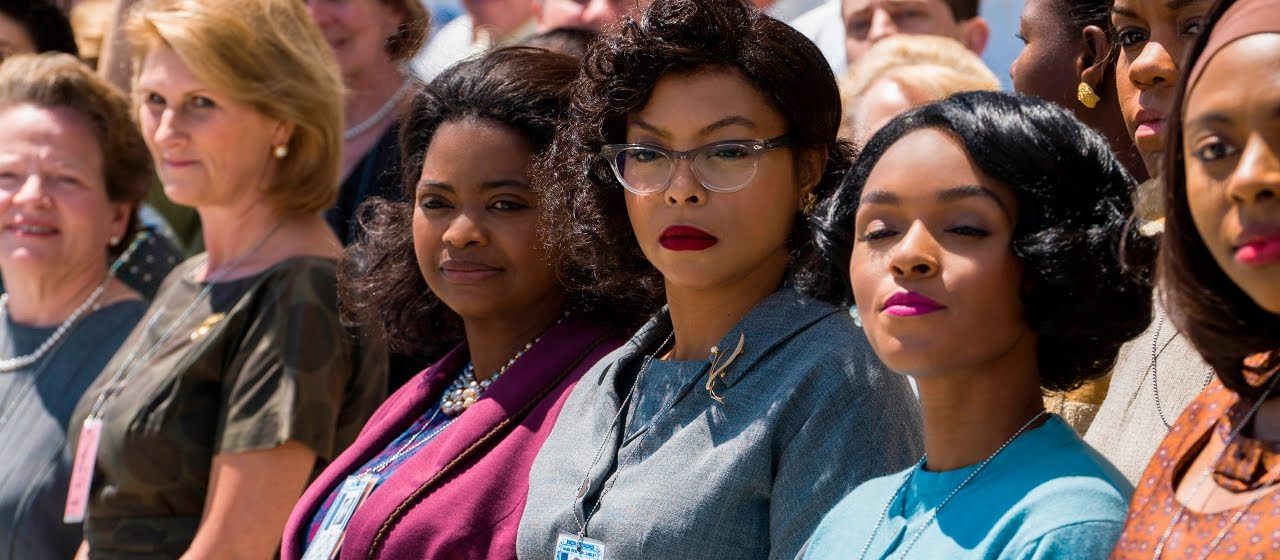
(1047, 495)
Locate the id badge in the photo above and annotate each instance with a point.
(570, 547)
(328, 537)
(82, 471)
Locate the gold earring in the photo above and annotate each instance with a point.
(1087, 96)
(281, 151)
(810, 202)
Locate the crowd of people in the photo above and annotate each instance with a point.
(638, 279)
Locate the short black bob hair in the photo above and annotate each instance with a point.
(1086, 285)
(1220, 320)
(523, 88)
(49, 28)
(586, 218)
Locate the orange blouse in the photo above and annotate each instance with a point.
(1246, 465)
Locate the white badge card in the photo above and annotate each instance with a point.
(328, 537)
(82, 471)
(570, 547)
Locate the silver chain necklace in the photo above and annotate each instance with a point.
(20, 362)
(378, 116)
(1154, 369)
(934, 514)
(1204, 477)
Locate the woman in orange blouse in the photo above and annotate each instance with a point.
(1211, 490)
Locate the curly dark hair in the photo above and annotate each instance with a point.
(1220, 320)
(586, 215)
(1086, 278)
(49, 28)
(523, 88)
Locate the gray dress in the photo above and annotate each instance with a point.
(35, 407)
(809, 412)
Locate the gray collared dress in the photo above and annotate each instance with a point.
(808, 413)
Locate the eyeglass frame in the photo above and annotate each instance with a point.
(610, 153)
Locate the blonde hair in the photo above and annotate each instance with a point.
(926, 67)
(269, 55)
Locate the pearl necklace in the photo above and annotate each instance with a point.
(19, 362)
(378, 116)
(934, 515)
(466, 390)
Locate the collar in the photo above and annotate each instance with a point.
(770, 324)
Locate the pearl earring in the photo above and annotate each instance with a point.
(115, 240)
(281, 151)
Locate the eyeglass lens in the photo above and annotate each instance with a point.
(720, 167)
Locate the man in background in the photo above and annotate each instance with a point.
(845, 29)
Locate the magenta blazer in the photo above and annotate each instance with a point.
(462, 495)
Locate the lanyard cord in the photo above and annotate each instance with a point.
(118, 380)
(586, 480)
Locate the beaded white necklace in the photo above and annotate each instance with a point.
(466, 390)
(19, 362)
(378, 116)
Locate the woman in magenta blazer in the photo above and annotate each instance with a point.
(441, 470)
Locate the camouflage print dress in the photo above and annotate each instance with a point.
(260, 361)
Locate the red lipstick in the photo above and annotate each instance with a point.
(910, 304)
(1259, 249)
(686, 238)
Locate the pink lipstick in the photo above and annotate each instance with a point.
(910, 304)
(1259, 250)
(686, 238)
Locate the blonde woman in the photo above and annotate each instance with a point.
(906, 71)
(240, 382)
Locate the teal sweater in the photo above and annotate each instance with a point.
(1047, 495)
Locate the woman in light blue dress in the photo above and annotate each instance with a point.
(982, 238)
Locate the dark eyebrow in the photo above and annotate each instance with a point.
(949, 195)
(1210, 118)
(487, 185)
(504, 184)
(969, 191)
(727, 121)
(640, 123)
(1171, 5)
(880, 197)
(1125, 12)
(435, 185)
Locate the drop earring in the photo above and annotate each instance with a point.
(1086, 95)
(281, 151)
